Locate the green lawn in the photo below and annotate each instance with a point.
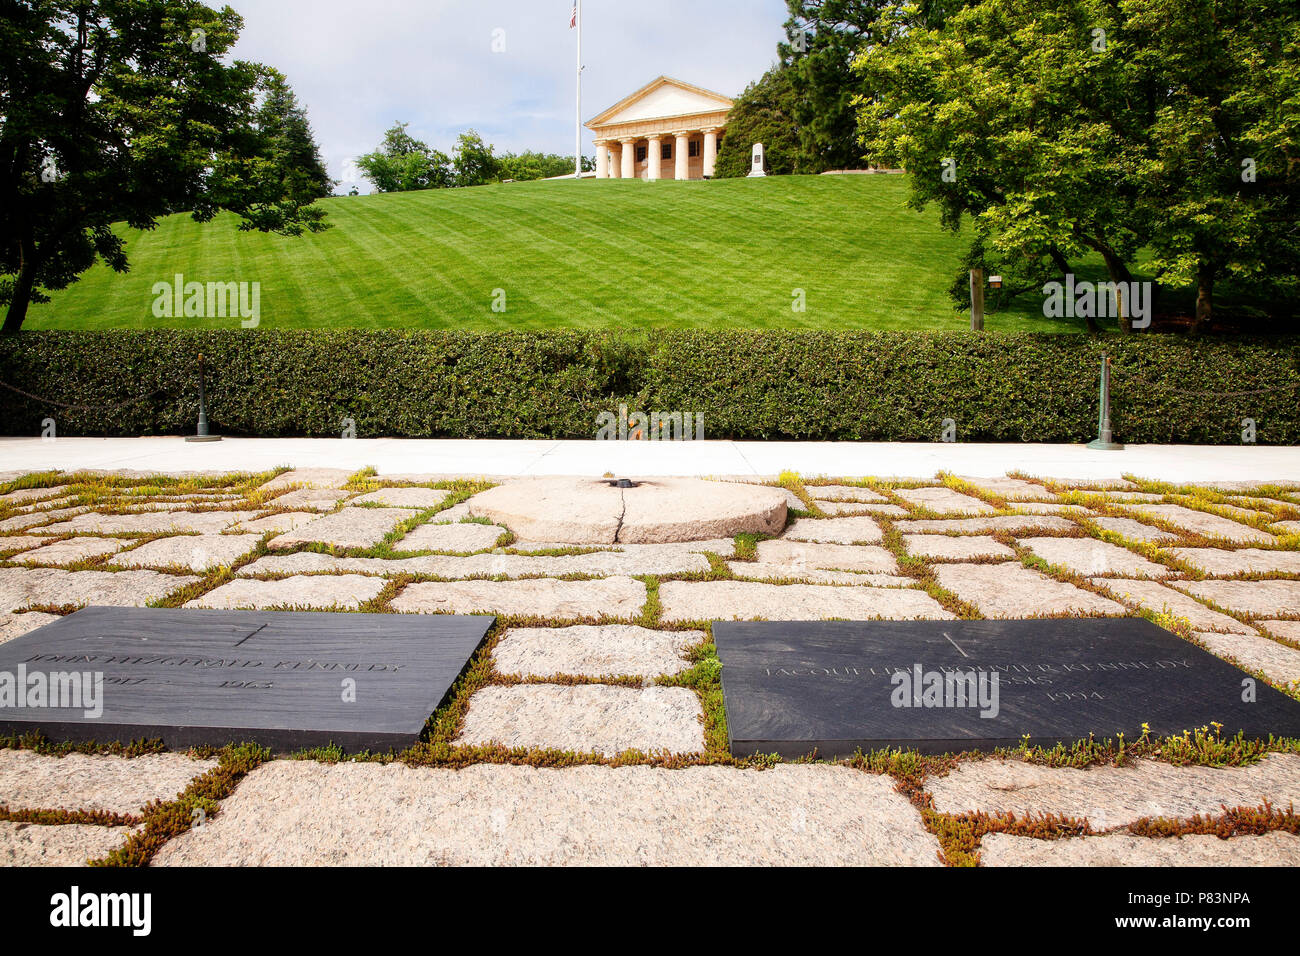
(727, 253)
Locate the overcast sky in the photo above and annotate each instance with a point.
(359, 67)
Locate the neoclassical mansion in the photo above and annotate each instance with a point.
(665, 130)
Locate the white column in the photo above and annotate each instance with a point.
(655, 154)
(602, 160)
(614, 152)
(682, 154)
(710, 151)
(629, 158)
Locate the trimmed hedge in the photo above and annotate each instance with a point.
(842, 386)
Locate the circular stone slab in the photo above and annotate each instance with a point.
(657, 511)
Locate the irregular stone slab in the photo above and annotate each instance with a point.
(198, 552)
(601, 650)
(1204, 523)
(854, 508)
(455, 513)
(1157, 597)
(1281, 664)
(27, 495)
(73, 550)
(762, 571)
(945, 501)
(1133, 530)
(20, 587)
(1287, 527)
(421, 498)
(845, 493)
(23, 522)
(157, 522)
(1115, 796)
(349, 528)
(462, 538)
(615, 597)
(285, 521)
(310, 478)
(1120, 849)
(859, 530)
(346, 591)
(1090, 557)
(586, 718)
(71, 844)
(744, 600)
(313, 499)
(1217, 561)
(293, 812)
(634, 559)
(1012, 489)
(955, 548)
(20, 542)
(1011, 590)
(1255, 598)
(1132, 496)
(1287, 629)
(16, 625)
(29, 781)
(657, 510)
(1014, 524)
(1050, 508)
(836, 557)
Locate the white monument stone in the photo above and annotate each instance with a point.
(758, 164)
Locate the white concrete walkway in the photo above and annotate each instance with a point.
(1198, 463)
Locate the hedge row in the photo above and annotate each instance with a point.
(843, 386)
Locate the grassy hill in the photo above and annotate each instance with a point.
(727, 253)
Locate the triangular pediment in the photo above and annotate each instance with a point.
(659, 99)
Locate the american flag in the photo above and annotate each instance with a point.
(573, 17)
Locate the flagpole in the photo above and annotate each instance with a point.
(577, 113)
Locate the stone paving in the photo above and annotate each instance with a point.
(603, 652)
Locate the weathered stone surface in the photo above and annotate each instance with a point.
(858, 530)
(1202, 522)
(25, 496)
(349, 528)
(1281, 664)
(615, 597)
(29, 781)
(1015, 524)
(1133, 496)
(743, 600)
(633, 559)
(462, 538)
(1287, 629)
(11, 544)
(836, 557)
(1255, 598)
(1090, 557)
(1121, 849)
(1010, 589)
(285, 521)
(1287, 527)
(347, 591)
(1157, 597)
(1133, 530)
(420, 498)
(1115, 796)
(31, 844)
(586, 718)
(310, 478)
(16, 625)
(73, 550)
(1012, 489)
(955, 548)
(157, 522)
(837, 508)
(292, 812)
(21, 587)
(1049, 508)
(33, 519)
(945, 501)
(198, 552)
(590, 511)
(601, 650)
(1218, 561)
(762, 571)
(313, 499)
(845, 493)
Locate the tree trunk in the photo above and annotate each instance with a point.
(1204, 297)
(1118, 273)
(22, 291)
(1063, 267)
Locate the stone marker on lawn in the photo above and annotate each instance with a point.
(285, 680)
(837, 686)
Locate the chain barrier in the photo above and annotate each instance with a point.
(80, 408)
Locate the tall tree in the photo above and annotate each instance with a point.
(122, 111)
(475, 165)
(402, 163)
(290, 144)
(763, 113)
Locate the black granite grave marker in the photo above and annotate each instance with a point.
(835, 686)
(194, 677)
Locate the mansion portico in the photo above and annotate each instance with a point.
(665, 130)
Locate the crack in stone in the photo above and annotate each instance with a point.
(622, 497)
